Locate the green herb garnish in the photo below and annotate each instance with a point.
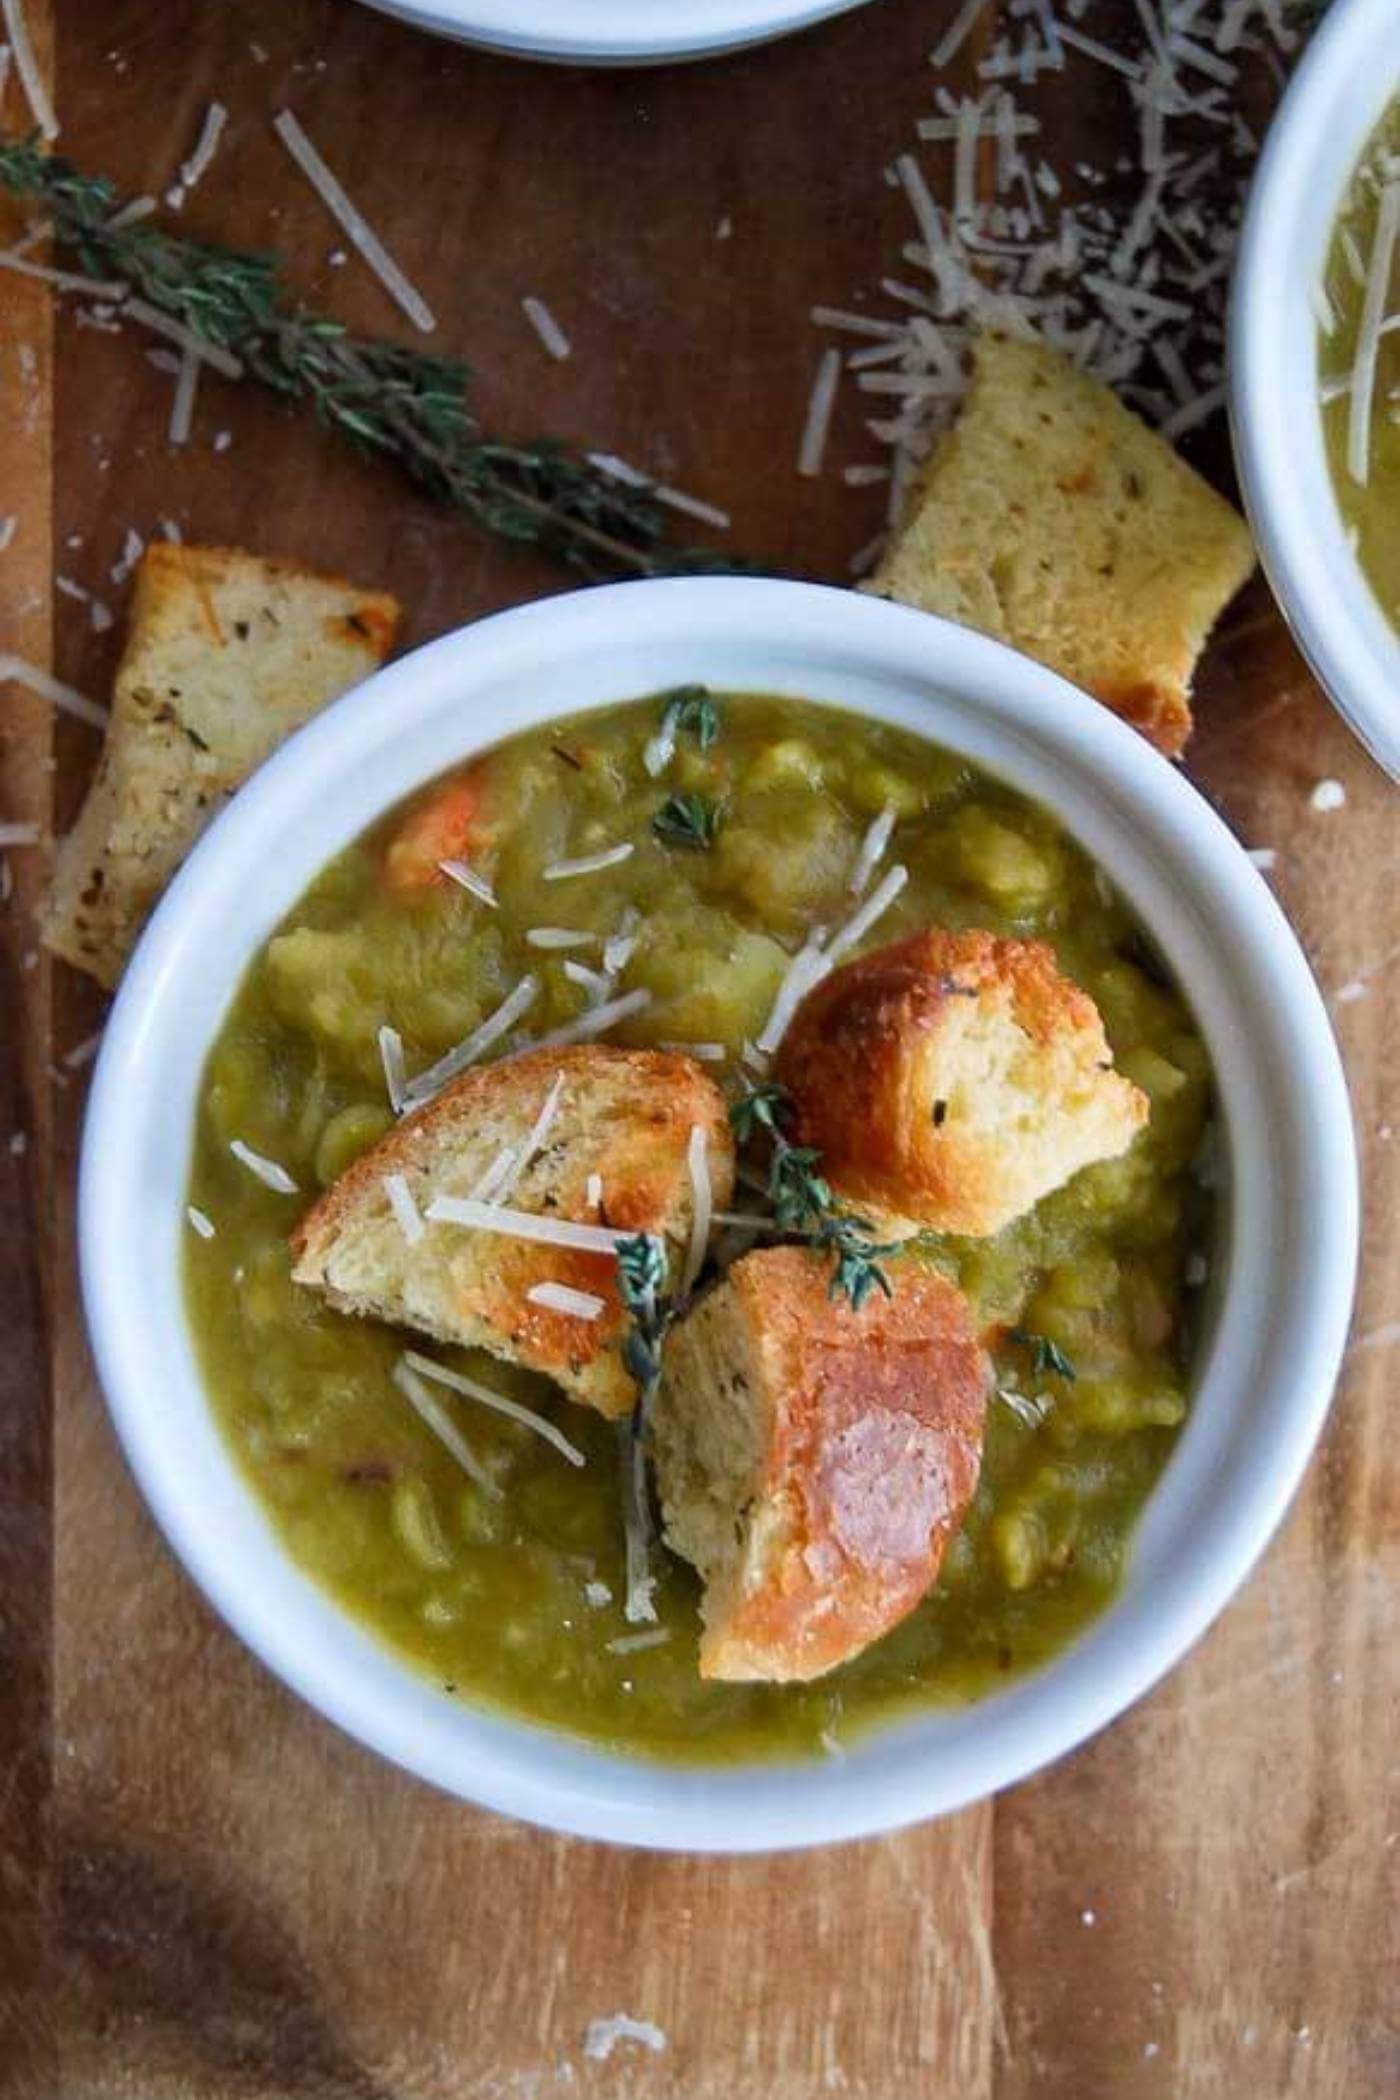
(1047, 1357)
(690, 709)
(687, 820)
(385, 397)
(641, 1279)
(804, 1203)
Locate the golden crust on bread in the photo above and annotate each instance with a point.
(952, 1080)
(624, 1115)
(226, 655)
(813, 1461)
(1051, 517)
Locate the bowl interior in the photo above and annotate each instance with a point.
(1269, 1365)
(1343, 85)
(613, 32)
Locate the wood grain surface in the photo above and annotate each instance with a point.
(204, 1890)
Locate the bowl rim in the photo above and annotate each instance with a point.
(618, 32)
(1286, 1299)
(1344, 82)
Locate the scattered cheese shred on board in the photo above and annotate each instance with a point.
(206, 146)
(31, 78)
(357, 228)
(487, 1396)
(267, 1171)
(546, 328)
(34, 679)
(812, 449)
(182, 406)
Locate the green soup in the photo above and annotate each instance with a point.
(1369, 498)
(515, 1601)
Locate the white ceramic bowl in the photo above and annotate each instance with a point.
(1287, 1263)
(613, 32)
(1348, 75)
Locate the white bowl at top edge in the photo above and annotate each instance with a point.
(613, 32)
(1287, 1258)
(1343, 84)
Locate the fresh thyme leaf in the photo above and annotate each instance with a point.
(804, 1203)
(762, 1108)
(1046, 1356)
(690, 708)
(687, 820)
(410, 406)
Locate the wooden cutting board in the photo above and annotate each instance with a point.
(204, 1890)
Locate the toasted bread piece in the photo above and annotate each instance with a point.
(226, 655)
(813, 1461)
(624, 1115)
(952, 1080)
(1055, 520)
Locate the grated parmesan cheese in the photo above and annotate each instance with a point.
(560, 937)
(9, 526)
(357, 229)
(596, 983)
(160, 323)
(524, 1225)
(395, 1075)
(467, 878)
(593, 1191)
(697, 1161)
(19, 835)
(703, 1053)
(588, 863)
(487, 1395)
(546, 328)
(873, 848)
(17, 671)
(632, 1643)
(1327, 795)
(860, 922)
(563, 1298)
(406, 1213)
(596, 1021)
(1368, 334)
(267, 1171)
(430, 1410)
(474, 1046)
(197, 166)
(200, 1220)
(520, 1162)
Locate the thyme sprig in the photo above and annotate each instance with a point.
(403, 403)
(641, 1283)
(804, 1203)
(690, 709)
(1047, 1357)
(687, 820)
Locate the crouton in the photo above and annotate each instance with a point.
(623, 1115)
(1053, 519)
(952, 1080)
(813, 1461)
(226, 655)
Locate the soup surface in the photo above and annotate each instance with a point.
(1363, 427)
(516, 1601)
